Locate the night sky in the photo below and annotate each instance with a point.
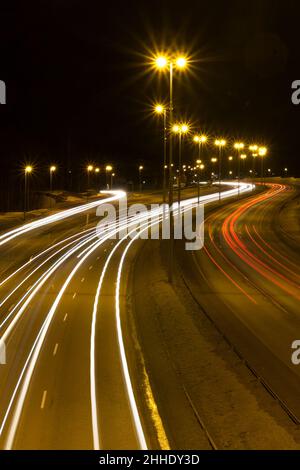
(79, 88)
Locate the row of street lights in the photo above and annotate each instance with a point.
(170, 63)
(28, 169)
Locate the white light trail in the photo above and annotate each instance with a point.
(32, 358)
(8, 236)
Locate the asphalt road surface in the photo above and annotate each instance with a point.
(69, 382)
(247, 281)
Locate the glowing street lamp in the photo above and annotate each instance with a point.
(200, 140)
(213, 161)
(230, 159)
(181, 130)
(140, 176)
(89, 169)
(262, 152)
(27, 171)
(52, 170)
(201, 168)
(108, 170)
(112, 180)
(169, 63)
(243, 158)
(253, 149)
(239, 146)
(161, 62)
(220, 143)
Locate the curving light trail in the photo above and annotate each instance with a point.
(22, 386)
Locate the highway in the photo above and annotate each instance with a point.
(71, 379)
(246, 280)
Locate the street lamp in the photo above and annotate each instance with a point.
(52, 170)
(200, 140)
(239, 146)
(220, 143)
(253, 149)
(89, 169)
(262, 152)
(27, 171)
(213, 160)
(108, 169)
(201, 168)
(181, 130)
(162, 63)
(243, 158)
(160, 109)
(230, 160)
(111, 180)
(140, 177)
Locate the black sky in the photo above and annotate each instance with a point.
(78, 87)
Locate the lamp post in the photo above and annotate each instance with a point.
(201, 167)
(239, 146)
(230, 160)
(140, 177)
(262, 152)
(160, 109)
(27, 171)
(89, 169)
(108, 170)
(243, 158)
(52, 170)
(220, 143)
(97, 172)
(253, 149)
(181, 130)
(200, 140)
(165, 63)
(112, 180)
(213, 160)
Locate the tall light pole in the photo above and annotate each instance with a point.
(160, 109)
(89, 169)
(140, 177)
(253, 149)
(27, 171)
(166, 63)
(213, 160)
(243, 158)
(239, 146)
(220, 143)
(230, 160)
(108, 170)
(201, 168)
(181, 130)
(97, 172)
(200, 140)
(112, 180)
(52, 170)
(262, 152)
